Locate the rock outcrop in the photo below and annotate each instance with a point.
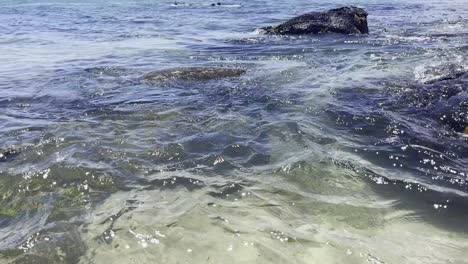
(191, 74)
(344, 20)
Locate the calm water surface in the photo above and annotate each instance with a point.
(330, 149)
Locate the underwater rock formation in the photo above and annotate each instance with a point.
(192, 74)
(8, 154)
(111, 71)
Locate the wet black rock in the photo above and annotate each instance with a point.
(344, 20)
(192, 74)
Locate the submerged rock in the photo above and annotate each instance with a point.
(6, 155)
(192, 74)
(433, 74)
(111, 71)
(60, 243)
(344, 20)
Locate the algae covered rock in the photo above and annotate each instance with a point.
(344, 20)
(60, 243)
(111, 71)
(72, 189)
(192, 74)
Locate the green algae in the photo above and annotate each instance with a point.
(13, 199)
(69, 191)
(11, 253)
(69, 204)
(72, 186)
(192, 74)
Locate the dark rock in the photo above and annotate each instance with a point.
(8, 155)
(192, 74)
(344, 20)
(453, 113)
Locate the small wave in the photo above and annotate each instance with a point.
(439, 72)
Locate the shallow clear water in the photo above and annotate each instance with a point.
(330, 149)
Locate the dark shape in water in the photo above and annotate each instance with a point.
(189, 4)
(443, 72)
(8, 155)
(444, 100)
(181, 3)
(413, 128)
(111, 71)
(237, 150)
(192, 74)
(344, 20)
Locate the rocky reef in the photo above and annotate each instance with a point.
(191, 74)
(344, 20)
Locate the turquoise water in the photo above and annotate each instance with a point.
(330, 149)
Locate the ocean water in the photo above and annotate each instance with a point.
(330, 149)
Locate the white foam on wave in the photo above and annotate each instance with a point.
(436, 71)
